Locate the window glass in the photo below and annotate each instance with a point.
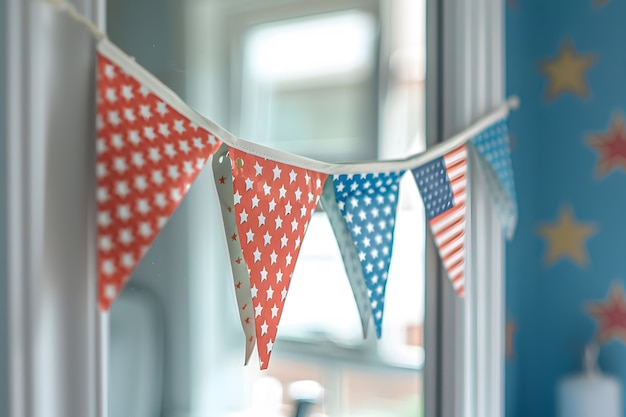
(311, 86)
(336, 80)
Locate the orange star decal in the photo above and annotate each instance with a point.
(511, 329)
(610, 315)
(611, 146)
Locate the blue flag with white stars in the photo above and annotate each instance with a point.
(368, 205)
(494, 150)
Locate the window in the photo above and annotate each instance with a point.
(200, 375)
(343, 86)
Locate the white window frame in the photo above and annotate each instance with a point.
(56, 366)
(53, 319)
(465, 351)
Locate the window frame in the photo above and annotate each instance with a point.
(465, 351)
(462, 83)
(54, 325)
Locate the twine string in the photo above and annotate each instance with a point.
(67, 7)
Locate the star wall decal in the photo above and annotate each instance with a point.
(566, 72)
(610, 315)
(566, 238)
(611, 146)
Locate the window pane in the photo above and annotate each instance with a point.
(309, 86)
(330, 109)
(317, 79)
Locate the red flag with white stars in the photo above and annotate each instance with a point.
(273, 205)
(148, 154)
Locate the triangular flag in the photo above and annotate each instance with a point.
(273, 204)
(148, 154)
(349, 254)
(442, 184)
(494, 150)
(223, 178)
(368, 204)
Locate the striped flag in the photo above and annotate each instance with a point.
(442, 184)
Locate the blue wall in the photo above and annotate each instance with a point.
(557, 168)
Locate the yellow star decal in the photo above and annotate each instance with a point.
(566, 72)
(566, 238)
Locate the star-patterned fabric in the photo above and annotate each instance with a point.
(443, 185)
(349, 254)
(222, 175)
(368, 204)
(611, 147)
(493, 146)
(148, 154)
(610, 315)
(273, 204)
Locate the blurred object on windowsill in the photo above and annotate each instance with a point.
(414, 335)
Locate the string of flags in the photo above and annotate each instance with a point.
(151, 146)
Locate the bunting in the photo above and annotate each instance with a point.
(442, 184)
(273, 203)
(349, 255)
(148, 155)
(368, 204)
(151, 146)
(222, 175)
(493, 147)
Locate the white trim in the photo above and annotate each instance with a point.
(130, 66)
(473, 82)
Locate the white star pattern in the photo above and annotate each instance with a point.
(361, 200)
(260, 186)
(494, 148)
(135, 130)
